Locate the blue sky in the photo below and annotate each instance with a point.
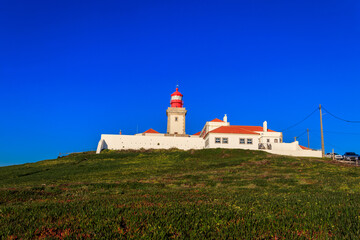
(72, 70)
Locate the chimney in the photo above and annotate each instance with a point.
(120, 132)
(265, 126)
(225, 118)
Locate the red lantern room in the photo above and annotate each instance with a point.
(176, 99)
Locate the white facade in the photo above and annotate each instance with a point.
(229, 140)
(212, 125)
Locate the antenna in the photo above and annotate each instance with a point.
(308, 138)
(177, 83)
(322, 133)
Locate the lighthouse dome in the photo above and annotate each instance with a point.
(177, 93)
(176, 99)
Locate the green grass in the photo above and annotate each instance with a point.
(214, 194)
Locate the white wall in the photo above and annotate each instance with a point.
(294, 146)
(119, 142)
(300, 153)
(293, 149)
(290, 149)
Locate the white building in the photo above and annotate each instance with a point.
(215, 134)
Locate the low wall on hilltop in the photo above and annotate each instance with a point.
(124, 142)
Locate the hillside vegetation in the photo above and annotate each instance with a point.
(173, 194)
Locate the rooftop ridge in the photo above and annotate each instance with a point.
(216, 120)
(151, 131)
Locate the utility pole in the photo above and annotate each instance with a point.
(322, 133)
(308, 138)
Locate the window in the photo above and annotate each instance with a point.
(242, 140)
(249, 141)
(217, 140)
(176, 98)
(224, 140)
(176, 118)
(275, 140)
(268, 140)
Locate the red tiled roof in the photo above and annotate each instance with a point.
(216, 120)
(305, 148)
(233, 129)
(255, 128)
(151, 131)
(198, 133)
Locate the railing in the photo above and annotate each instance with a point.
(265, 146)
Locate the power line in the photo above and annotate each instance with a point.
(302, 133)
(301, 120)
(351, 133)
(335, 146)
(349, 121)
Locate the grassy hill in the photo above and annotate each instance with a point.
(180, 194)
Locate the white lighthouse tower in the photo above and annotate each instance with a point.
(176, 115)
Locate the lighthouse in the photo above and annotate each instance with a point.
(215, 134)
(176, 114)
